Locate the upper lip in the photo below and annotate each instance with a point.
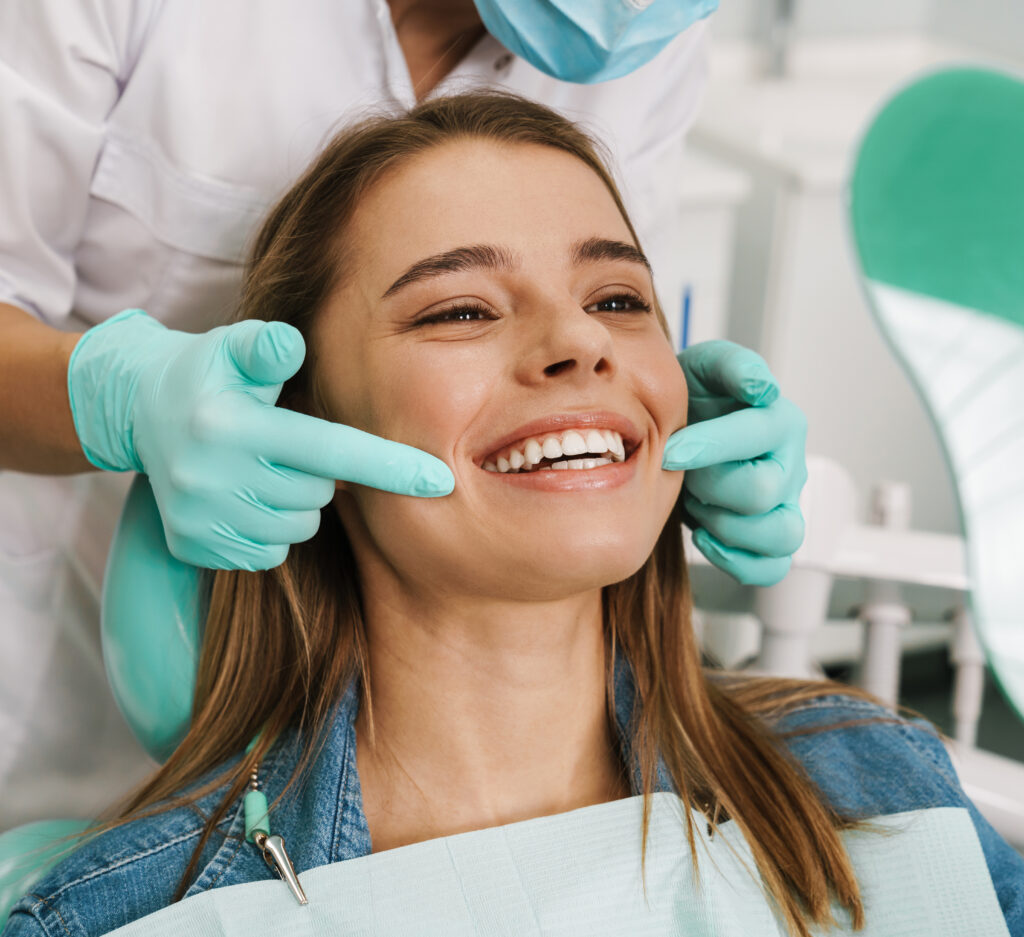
(603, 419)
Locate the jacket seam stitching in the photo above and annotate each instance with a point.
(837, 701)
(914, 740)
(340, 803)
(123, 862)
(219, 855)
(226, 866)
(51, 907)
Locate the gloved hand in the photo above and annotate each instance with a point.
(237, 479)
(743, 450)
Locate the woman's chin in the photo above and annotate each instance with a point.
(559, 570)
(560, 545)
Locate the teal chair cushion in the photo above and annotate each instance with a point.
(937, 217)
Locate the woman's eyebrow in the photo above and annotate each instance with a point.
(475, 256)
(491, 257)
(603, 249)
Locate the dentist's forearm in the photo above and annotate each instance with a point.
(37, 433)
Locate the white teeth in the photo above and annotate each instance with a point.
(614, 441)
(590, 442)
(584, 463)
(552, 448)
(596, 441)
(573, 444)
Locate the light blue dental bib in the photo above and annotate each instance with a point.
(578, 875)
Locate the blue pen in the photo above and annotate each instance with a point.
(684, 320)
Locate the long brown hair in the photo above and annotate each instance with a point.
(306, 615)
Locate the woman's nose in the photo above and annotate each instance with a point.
(567, 343)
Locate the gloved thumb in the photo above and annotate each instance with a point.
(265, 352)
(719, 368)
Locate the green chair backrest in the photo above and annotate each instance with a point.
(937, 216)
(151, 615)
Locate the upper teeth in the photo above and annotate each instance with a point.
(527, 453)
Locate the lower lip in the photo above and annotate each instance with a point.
(605, 476)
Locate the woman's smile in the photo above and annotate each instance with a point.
(567, 452)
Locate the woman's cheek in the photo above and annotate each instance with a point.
(432, 401)
(664, 387)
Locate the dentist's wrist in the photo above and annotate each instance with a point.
(103, 374)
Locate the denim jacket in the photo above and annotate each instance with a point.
(864, 769)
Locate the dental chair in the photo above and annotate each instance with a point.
(937, 218)
(937, 221)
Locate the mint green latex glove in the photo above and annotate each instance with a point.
(237, 479)
(743, 452)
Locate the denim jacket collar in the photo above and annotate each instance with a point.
(322, 818)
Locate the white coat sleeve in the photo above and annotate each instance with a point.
(62, 67)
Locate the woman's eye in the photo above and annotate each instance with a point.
(621, 302)
(457, 314)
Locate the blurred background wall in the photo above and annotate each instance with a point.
(788, 286)
(994, 24)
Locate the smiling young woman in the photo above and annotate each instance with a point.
(468, 282)
(461, 273)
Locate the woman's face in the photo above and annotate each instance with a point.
(496, 313)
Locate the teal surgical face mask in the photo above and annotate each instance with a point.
(589, 40)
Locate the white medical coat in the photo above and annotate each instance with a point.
(141, 142)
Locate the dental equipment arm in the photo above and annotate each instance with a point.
(237, 479)
(743, 452)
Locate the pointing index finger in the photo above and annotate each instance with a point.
(333, 450)
(740, 436)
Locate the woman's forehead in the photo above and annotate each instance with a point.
(535, 201)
